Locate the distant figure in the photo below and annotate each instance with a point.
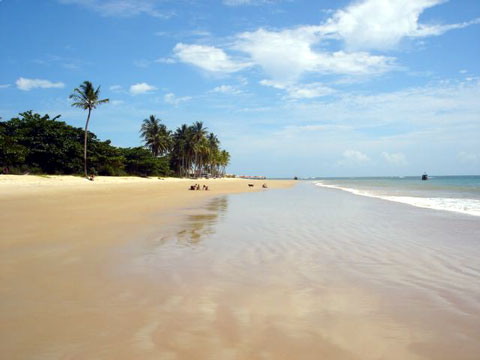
(425, 176)
(91, 177)
(264, 186)
(205, 187)
(198, 187)
(250, 185)
(192, 187)
(295, 178)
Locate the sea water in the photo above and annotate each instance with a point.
(450, 193)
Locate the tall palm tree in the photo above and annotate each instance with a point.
(156, 136)
(86, 97)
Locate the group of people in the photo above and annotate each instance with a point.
(263, 186)
(197, 187)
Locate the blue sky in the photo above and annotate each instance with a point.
(306, 88)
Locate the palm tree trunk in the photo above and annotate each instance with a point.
(85, 144)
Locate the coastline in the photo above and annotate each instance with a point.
(155, 271)
(62, 236)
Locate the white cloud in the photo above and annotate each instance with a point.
(395, 158)
(226, 89)
(382, 24)
(208, 58)
(172, 99)
(141, 88)
(4, 86)
(29, 84)
(353, 158)
(123, 8)
(306, 91)
(287, 55)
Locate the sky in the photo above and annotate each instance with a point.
(291, 87)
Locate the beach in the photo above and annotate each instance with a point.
(144, 268)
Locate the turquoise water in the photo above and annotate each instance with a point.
(449, 193)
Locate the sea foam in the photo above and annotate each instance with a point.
(458, 205)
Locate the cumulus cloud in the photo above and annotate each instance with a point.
(307, 91)
(286, 55)
(141, 88)
(353, 158)
(29, 84)
(382, 24)
(123, 8)
(174, 100)
(395, 158)
(208, 58)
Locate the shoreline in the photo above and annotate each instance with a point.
(162, 272)
(449, 205)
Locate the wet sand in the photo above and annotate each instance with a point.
(301, 273)
(61, 244)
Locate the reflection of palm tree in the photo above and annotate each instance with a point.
(201, 224)
(156, 136)
(87, 97)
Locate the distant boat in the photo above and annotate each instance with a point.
(295, 178)
(425, 176)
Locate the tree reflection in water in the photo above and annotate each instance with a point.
(201, 224)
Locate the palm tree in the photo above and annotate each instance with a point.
(224, 159)
(213, 144)
(86, 97)
(156, 136)
(181, 149)
(198, 132)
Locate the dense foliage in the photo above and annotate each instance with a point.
(37, 144)
(32, 143)
(193, 151)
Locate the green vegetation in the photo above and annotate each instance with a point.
(32, 143)
(36, 144)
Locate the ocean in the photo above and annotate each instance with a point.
(449, 193)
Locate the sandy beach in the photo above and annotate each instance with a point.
(60, 236)
(145, 269)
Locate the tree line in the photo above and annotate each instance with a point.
(192, 149)
(32, 143)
